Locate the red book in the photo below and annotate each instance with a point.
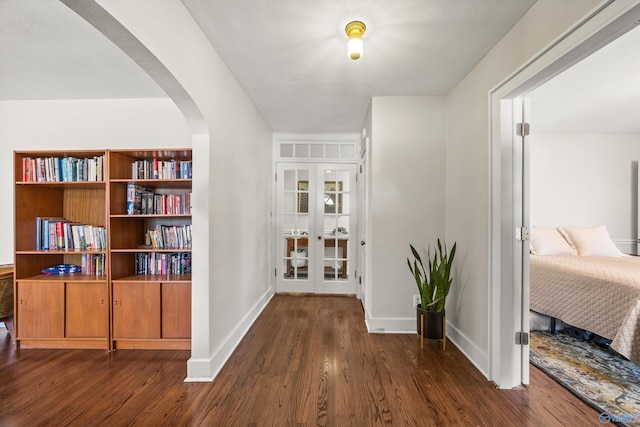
(60, 242)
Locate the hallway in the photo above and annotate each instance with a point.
(308, 360)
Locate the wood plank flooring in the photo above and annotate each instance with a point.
(307, 361)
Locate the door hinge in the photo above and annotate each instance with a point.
(522, 233)
(523, 129)
(360, 168)
(275, 272)
(276, 178)
(522, 338)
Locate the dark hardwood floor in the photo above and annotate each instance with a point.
(306, 361)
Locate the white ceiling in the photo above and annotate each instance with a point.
(290, 56)
(49, 52)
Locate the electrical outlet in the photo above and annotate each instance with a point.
(416, 300)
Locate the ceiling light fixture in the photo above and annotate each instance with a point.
(355, 31)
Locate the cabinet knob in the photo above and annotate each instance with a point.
(319, 237)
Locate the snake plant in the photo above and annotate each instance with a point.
(434, 283)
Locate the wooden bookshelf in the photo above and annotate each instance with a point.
(151, 309)
(58, 311)
(120, 306)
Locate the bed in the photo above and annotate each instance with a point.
(596, 290)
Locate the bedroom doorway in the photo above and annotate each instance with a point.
(509, 178)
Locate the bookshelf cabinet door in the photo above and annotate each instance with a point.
(176, 310)
(136, 310)
(40, 309)
(87, 310)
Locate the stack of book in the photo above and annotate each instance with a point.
(169, 237)
(62, 169)
(143, 201)
(61, 234)
(163, 263)
(161, 169)
(93, 264)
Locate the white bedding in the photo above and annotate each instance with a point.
(598, 294)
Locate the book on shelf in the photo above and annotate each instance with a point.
(135, 195)
(43, 230)
(169, 237)
(131, 198)
(60, 242)
(62, 169)
(52, 229)
(161, 169)
(93, 264)
(143, 201)
(163, 263)
(55, 233)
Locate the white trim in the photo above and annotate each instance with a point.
(592, 32)
(341, 139)
(477, 357)
(628, 246)
(391, 325)
(286, 137)
(205, 370)
(608, 22)
(315, 137)
(361, 184)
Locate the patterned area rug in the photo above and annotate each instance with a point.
(600, 377)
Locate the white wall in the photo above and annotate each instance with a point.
(407, 195)
(467, 171)
(238, 179)
(232, 171)
(585, 180)
(80, 124)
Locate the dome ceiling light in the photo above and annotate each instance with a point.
(355, 30)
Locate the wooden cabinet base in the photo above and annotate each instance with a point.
(161, 344)
(70, 343)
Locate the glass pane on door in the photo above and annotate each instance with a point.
(295, 230)
(315, 221)
(336, 224)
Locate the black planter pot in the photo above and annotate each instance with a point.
(433, 323)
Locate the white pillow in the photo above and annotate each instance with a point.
(591, 241)
(549, 241)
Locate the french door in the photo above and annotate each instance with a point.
(315, 228)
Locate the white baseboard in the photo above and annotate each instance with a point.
(387, 325)
(205, 370)
(477, 357)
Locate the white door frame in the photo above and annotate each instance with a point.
(611, 20)
(363, 221)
